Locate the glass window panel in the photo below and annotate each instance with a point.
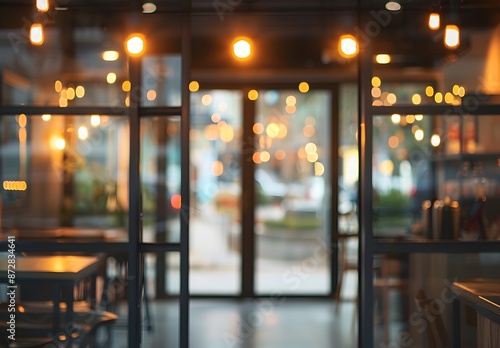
(215, 139)
(67, 70)
(65, 176)
(291, 179)
(161, 80)
(438, 75)
(435, 177)
(161, 178)
(413, 297)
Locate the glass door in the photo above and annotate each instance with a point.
(292, 192)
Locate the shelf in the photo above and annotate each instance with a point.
(397, 246)
(466, 157)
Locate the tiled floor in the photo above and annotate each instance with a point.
(259, 323)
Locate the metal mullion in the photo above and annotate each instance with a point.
(247, 246)
(69, 111)
(185, 192)
(133, 275)
(365, 249)
(159, 247)
(333, 223)
(476, 110)
(160, 111)
(457, 247)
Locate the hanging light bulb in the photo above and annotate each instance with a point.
(452, 36)
(42, 5)
(348, 46)
(434, 21)
(36, 34)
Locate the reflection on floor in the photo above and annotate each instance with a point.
(260, 323)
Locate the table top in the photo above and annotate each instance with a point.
(76, 234)
(70, 268)
(481, 292)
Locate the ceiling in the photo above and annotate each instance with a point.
(289, 34)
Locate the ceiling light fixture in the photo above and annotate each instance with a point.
(36, 34)
(348, 46)
(135, 44)
(42, 5)
(434, 21)
(393, 6)
(242, 48)
(383, 58)
(452, 36)
(148, 7)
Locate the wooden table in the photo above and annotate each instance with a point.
(62, 272)
(484, 296)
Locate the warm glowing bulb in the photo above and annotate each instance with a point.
(396, 118)
(60, 143)
(383, 58)
(434, 21)
(80, 91)
(242, 48)
(42, 5)
(393, 6)
(36, 34)
(348, 46)
(253, 94)
(95, 121)
(194, 86)
(111, 77)
(419, 135)
(83, 133)
(304, 87)
(135, 45)
(376, 82)
(110, 56)
(451, 36)
(435, 140)
(46, 117)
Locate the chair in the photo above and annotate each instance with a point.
(436, 330)
(389, 275)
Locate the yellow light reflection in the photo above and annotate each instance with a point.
(151, 95)
(310, 148)
(308, 131)
(83, 133)
(272, 130)
(376, 92)
(410, 119)
(291, 100)
(303, 87)
(258, 128)
(393, 142)
(391, 98)
(126, 85)
(216, 117)
(376, 82)
(429, 91)
(206, 99)
(95, 121)
(227, 133)
(416, 99)
(80, 91)
(319, 169)
(22, 120)
(312, 157)
(110, 56)
(419, 117)
(395, 118)
(386, 167)
(449, 98)
(419, 134)
(455, 89)
(15, 185)
(435, 140)
(383, 58)
(194, 86)
(70, 93)
(280, 154)
(256, 158)
(217, 168)
(290, 109)
(111, 78)
(58, 86)
(283, 131)
(265, 156)
(438, 97)
(253, 94)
